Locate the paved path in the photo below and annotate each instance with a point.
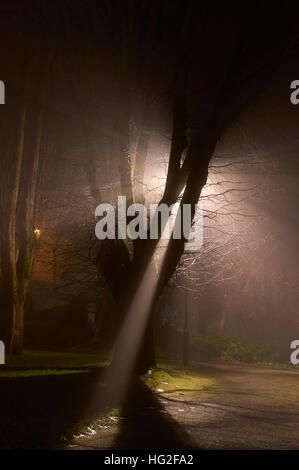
(245, 408)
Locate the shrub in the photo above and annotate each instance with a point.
(211, 346)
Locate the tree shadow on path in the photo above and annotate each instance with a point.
(146, 425)
(45, 412)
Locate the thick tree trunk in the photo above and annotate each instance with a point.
(129, 313)
(146, 358)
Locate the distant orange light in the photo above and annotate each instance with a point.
(37, 233)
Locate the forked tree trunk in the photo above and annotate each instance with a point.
(124, 284)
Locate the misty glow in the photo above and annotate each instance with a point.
(175, 221)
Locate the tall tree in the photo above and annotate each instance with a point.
(213, 85)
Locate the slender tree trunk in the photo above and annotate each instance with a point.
(186, 334)
(222, 322)
(22, 269)
(11, 268)
(139, 168)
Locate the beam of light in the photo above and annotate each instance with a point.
(128, 342)
(117, 378)
(111, 390)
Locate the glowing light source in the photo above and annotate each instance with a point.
(37, 233)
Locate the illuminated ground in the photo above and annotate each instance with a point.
(52, 400)
(231, 407)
